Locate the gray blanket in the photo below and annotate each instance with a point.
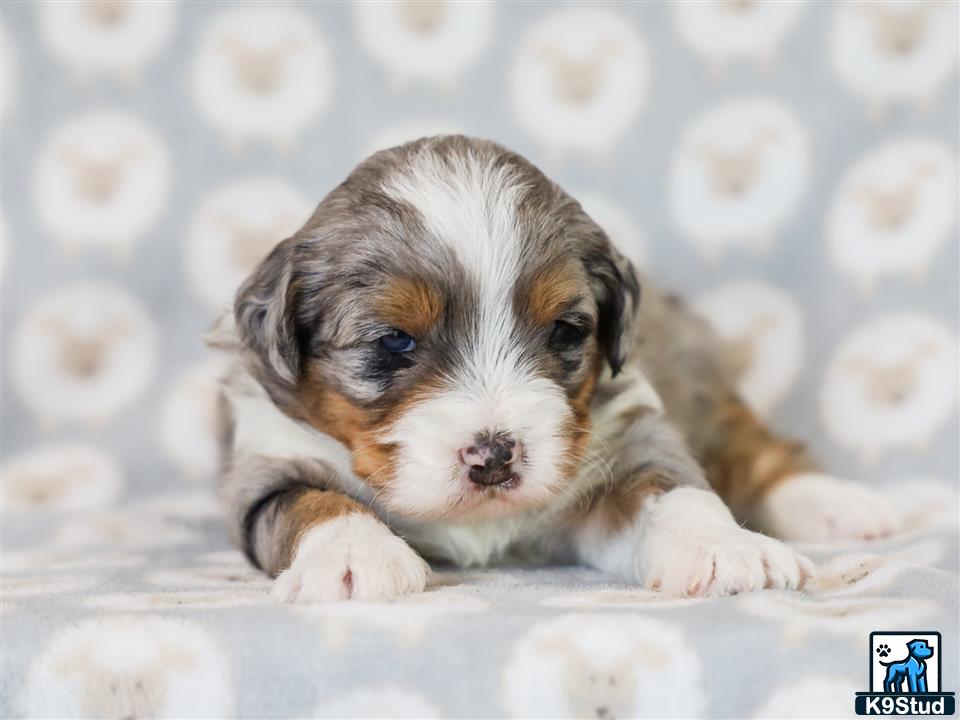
(146, 612)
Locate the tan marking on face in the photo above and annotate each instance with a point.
(333, 413)
(410, 305)
(550, 291)
(578, 430)
(361, 430)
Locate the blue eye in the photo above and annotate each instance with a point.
(397, 341)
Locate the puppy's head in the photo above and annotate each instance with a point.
(445, 314)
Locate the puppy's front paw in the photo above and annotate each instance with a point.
(820, 508)
(351, 557)
(694, 547)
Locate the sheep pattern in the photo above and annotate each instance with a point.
(789, 168)
(891, 213)
(892, 52)
(744, 165)
(101, 180)
(764, 328)
(235, 227)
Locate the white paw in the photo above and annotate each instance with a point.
(694, 547)
(350, 557)
(820, 508)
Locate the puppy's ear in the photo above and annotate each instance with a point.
(265, 311)
(617, 291)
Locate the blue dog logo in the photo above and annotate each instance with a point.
(905, 675)
(912, 670)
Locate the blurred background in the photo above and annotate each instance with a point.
(790, 167)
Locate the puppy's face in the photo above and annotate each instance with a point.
(445, 314)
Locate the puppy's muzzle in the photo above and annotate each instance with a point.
(492, 459)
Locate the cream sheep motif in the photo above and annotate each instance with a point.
(106, 37)
(890, 209)
(579, 79)
(723, 30)
(97, 180)
(892, 384)
(235, 227)
(893, 211)
(250, 244)
(132, 667)
(894, 52)
(102, 180)
(83, 354)
(764, 331)
(737, 176)
(421, 16)
(261, 72)
(60, 478)
(733, 171)
(106, 12)
(576, 81)
(602, 666)
(432, 42)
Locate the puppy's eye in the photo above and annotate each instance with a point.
(397, 341)
(567, 336)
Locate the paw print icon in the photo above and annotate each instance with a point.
(883, 650)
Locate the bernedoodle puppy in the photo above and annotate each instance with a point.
(451, 361)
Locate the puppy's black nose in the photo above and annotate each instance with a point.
(491, 458)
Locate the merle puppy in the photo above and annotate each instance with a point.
(450, 360)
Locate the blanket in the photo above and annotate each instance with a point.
(146, 611)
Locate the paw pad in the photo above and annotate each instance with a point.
(883, 650)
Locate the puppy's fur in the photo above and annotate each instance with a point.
(620, 440)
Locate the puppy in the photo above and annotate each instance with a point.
(451, 361)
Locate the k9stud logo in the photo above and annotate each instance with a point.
(905, 674)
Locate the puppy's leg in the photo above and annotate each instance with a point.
(658, 522)
(319, 544)
(773, 485)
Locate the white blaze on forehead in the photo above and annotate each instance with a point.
(470, 206)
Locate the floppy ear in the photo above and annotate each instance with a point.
(265, 312)
(617, 290)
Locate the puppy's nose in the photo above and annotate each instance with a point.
(491, 458)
